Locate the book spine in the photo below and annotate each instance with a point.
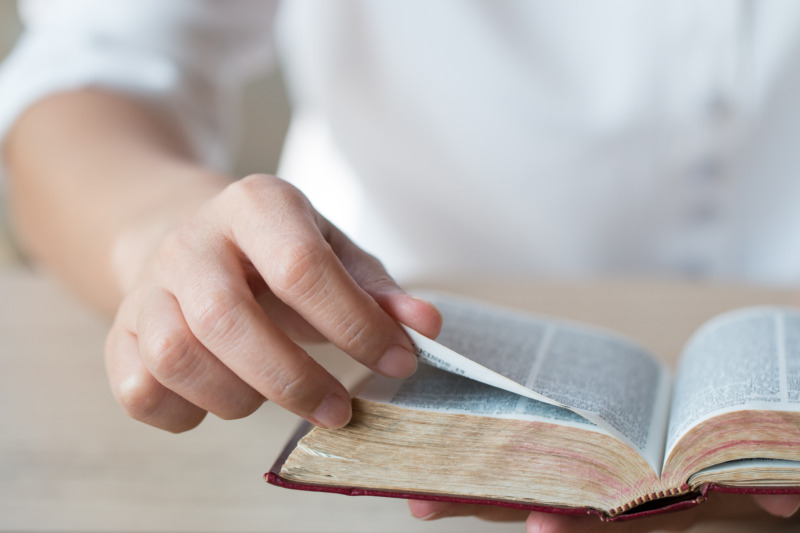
(653, 496)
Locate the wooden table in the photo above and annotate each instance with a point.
(71, 460)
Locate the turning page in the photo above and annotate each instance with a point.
(597, 374)
(433, 389)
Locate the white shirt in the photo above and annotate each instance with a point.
(561, 139)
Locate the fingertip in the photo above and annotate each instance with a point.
(416, 313)
(188, 422)
(397, 362)
(143, 398)
(333, 412)
(549, 523)
(425, 510)
(783, 505)
(427, 318)
(534, 523)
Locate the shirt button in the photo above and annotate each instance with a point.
(719, 107)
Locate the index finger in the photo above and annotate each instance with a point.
(286, 242)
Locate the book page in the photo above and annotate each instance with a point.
(742, 360)
(596, 374)
(432, 389)
(750, 473)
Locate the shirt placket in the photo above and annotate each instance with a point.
(707, 98)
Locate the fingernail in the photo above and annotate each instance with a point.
(434, 515)
(333, 412)
(397, 362)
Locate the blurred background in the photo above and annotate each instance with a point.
(9, 31)
(264, 120)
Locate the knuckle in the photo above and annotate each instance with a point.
(216, 316)
(291, 388)
(167, 354)
(248, 187)
(139, 397)
(241, 196)
(263, 196)
(355, 336)
(300, 269)
(287, 202)
(379, 281)
(259, 186)
(292, 199)
(284, 191)
(175, 239)
(177, 243)
(255, 179)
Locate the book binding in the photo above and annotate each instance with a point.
(660, 502)
(273, 477)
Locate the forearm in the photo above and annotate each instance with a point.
(95, 181)
(210, 298)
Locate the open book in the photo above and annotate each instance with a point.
(530, 412)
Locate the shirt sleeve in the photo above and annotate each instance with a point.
(188, 57)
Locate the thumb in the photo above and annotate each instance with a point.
(784, 505)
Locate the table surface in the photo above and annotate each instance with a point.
(71, 460)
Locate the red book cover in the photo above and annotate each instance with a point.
(657, 506)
